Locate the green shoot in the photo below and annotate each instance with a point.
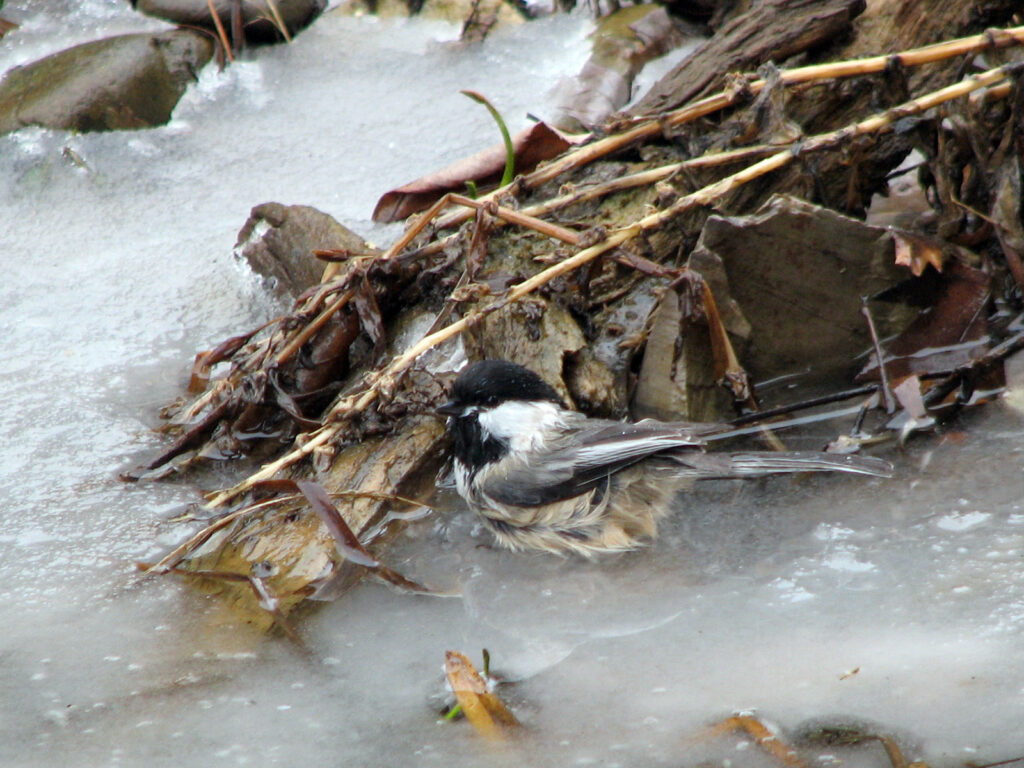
(510, 155)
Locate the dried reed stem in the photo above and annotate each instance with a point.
(521, 218)
(278, 21)
(309, 330)
(650, 127)
(221, 32)
(593, 192)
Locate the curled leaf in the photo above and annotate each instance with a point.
(485, 711)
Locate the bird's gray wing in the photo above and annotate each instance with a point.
(580, 459)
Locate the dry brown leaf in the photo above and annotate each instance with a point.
(485, 711)
(533, 145)
(916, 252)
(949, 333)
(204, 361)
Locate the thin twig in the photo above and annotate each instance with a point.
(998, 764)
(311, 328)
(887, 398)
(597, 191)
(813, 402)
(520, 218)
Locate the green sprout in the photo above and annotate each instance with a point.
(510, 155)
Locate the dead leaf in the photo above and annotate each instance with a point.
(917, 252)
(952, 332)
(533, 145)
(485, 711)
(204, 361)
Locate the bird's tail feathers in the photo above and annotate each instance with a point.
(757, 463)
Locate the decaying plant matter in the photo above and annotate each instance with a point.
(583, 265)
(819, 735)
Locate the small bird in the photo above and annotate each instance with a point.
(543, 477)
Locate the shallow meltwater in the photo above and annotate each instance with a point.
(825, 600)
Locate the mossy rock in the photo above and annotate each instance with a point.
(123, 82)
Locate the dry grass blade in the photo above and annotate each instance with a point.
(286, 490)
(347, 542)
(597, 191)
(179, 553)
(278, 21)
(221, 32)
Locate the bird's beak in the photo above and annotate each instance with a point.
(451, 408)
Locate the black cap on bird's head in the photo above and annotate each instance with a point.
(491, 382)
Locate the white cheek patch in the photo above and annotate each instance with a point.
(523, 426)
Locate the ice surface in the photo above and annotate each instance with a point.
(895, 601)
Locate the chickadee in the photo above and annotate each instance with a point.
(543, 477)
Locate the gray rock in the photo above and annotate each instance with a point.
(798, 272)
(123, 82)
(255, 14)
(278, 242)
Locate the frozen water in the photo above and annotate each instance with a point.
(894, 601)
